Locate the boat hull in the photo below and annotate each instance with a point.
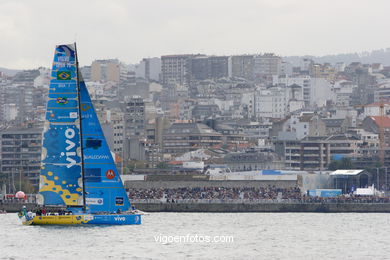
(86, 219)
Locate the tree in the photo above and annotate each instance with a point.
(26, 186)
(3, 178)
(130, 166)
(346, 163)
(343, 164)
(333, 165)
(162, 165)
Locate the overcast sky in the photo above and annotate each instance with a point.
(130, 30)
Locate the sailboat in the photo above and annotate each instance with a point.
(79, 183)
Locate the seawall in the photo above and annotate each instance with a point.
(246, 207)
(265, 207)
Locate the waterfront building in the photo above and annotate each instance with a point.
(180, 138)
(315, 153)
(21, 154)
(252, 161)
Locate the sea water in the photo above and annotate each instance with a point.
(184, 235)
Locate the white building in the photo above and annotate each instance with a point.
(10, 112)
(277, 102)
(149, 68)
(95, 89)
(374, 109)
(43, 80)
(340, 66)
(223, 105)
(296, 125)
(382, 91)
(316, 91)
(342, 93)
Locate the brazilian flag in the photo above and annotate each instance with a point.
(64, 75)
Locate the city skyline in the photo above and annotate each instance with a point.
(131, 30)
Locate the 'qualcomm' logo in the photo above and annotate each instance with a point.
(70, 134)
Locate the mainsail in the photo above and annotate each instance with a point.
(103, 186)
(61, 177)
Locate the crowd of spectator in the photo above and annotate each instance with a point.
(346, 198)
(225, 194)
(262, 194)
(219, 193)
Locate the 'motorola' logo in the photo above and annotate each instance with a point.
(110, 174)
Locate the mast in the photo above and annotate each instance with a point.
(81, 126)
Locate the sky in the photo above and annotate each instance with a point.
(134, 29)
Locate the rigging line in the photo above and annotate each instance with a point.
(81, 127)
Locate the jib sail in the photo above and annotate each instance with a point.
(103, 185)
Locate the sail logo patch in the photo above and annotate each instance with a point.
(96, 157)
(85, 107)
(93, 143)
(110, 174)
(94, 201)
(70, 134)
(62, 101)
(88, 217)
(73, 115)
(118, 201)
(63, 75)
(92, 174)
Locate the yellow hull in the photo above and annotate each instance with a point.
(58, 220)
(82, 219)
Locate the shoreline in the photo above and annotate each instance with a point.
(244, 207)
(266, 207)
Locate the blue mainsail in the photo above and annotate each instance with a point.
(103, 185)
(61, 177)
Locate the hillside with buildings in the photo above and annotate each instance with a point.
(244, 112)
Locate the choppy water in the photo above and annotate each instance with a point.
(256, 236)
